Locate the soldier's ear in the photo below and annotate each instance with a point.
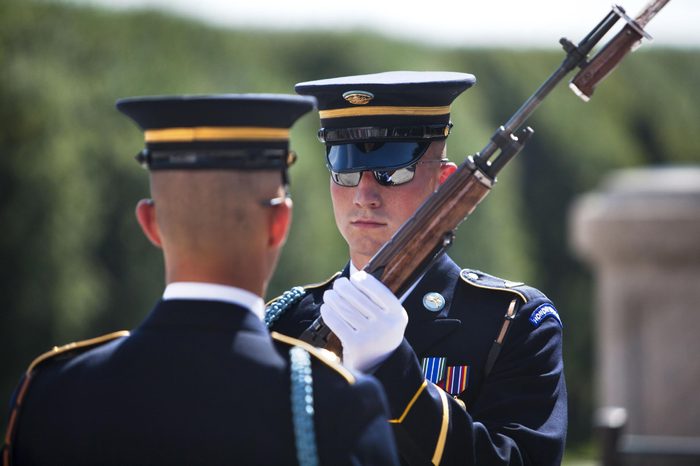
(280, 220)
(146, 216)
(446, 169)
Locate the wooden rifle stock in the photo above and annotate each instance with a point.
(430, 231)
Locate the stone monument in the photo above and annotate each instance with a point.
(640, 234)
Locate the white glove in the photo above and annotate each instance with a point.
(367, 318)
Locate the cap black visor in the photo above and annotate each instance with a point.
(363, 156)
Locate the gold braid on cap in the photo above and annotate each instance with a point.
(215, 133)
(383, 110)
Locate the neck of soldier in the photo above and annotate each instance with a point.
(359, 260)
(241, 272)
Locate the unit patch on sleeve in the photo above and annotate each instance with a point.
(542, 312)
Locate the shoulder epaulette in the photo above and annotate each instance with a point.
(483, 280)
(22, 390)
(308, 287)
(77, 345)
(275, 308)
(325, 356)
(322, 282)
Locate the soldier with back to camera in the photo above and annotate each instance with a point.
(201, 380)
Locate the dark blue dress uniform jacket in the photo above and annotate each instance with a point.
(516, 415)
(199, 382)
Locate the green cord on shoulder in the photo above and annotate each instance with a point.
(281, 305)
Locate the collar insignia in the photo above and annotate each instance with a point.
(433, 301)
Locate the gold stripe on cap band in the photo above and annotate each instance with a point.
(386, 110)
(215, 133)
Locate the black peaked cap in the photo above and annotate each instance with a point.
(235, 131)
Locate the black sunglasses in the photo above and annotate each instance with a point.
(388, 177)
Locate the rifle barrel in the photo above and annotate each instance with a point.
(429, 232)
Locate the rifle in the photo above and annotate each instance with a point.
(430, 231)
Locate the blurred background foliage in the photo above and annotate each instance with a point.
(74, 263)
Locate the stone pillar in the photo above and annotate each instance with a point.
(640, 233)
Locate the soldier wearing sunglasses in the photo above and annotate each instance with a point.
(471, 363)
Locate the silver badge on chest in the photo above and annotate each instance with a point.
(433, 301)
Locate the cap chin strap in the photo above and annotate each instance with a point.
(236, 159)
(366, 133)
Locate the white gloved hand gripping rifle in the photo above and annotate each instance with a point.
(367, 318)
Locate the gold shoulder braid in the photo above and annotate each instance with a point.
(326, 357)
(29, 374)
